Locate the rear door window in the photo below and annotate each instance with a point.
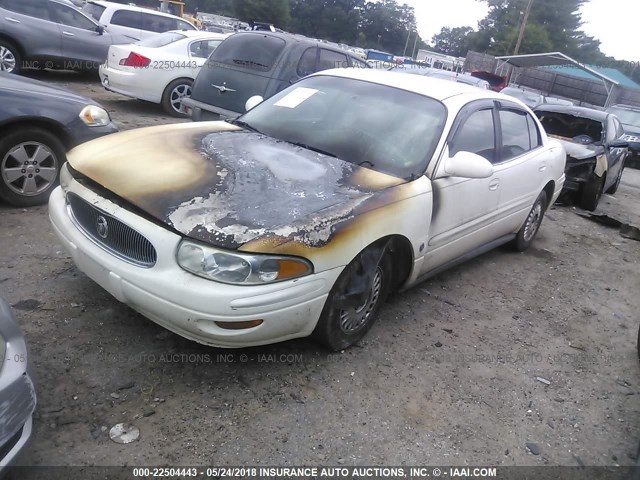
(307, 63)
(31, 8)
(127, 18)
(330, 59)
(516, 139)
(203, 48)
(250, 51)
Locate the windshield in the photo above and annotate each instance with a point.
(627, 117)
(569, 126)
(161, 40)
(379, 127)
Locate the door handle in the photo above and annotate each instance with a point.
(493, 186)
(542, 167)
(68, 34)
(12, 20)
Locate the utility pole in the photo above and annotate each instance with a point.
(523, 27)
(415, 44)
(406, 45)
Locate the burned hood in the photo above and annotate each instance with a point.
(579, 151)
(225, 186)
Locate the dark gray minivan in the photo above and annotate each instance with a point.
(261, 64)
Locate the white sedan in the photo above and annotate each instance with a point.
(300, 216)
(159, 69)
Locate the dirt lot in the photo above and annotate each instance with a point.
(447, 377)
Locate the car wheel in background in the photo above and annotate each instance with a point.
(355, 300)
(173, 95)
(614, 188)
(30, 161)
(528, 232)
(10, 59)
(591, 193)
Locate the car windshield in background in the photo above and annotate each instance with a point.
(254, 52)
(93, 10)
(379, 127)
(570, 126)
(626, 116)
(161, 40)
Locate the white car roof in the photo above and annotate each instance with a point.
(121, 6)
(428, 86)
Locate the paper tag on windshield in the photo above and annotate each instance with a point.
(295, 98)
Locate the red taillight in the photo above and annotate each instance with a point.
(135, 60)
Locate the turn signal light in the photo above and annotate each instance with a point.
(239, 325)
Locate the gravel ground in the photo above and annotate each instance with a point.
(448, 376)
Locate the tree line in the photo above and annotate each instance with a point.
(390, 25)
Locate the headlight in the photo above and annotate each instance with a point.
(65, 177)
(239, 268)
(95, 116)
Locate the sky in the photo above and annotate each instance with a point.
(602, 20)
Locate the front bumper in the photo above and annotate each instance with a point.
(185, 303)
(203, 112)
(578, 172)
(17, 393)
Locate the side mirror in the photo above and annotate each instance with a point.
(253, 102)
(468, 165)
(100, 29)
(618, 144)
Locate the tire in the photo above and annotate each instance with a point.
(10, 58)
(614, 188)
(529, 230)
(176, 91)
(28, 184)
(346, 317)
(591, 193)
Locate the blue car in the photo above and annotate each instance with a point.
(39, 124)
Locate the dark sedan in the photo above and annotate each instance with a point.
(630, 118)
(39, 123)
(596, 150)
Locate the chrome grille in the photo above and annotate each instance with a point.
(111, 234)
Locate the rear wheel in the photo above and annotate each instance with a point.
(173, 95)
(528, 232)
(10, 59)
(591, 193)
(355, 300)
(30, 160)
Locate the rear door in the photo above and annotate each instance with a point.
(30, 23)
(238, 69)
(82, 45)
(522, 166)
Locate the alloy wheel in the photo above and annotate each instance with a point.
(29, 168)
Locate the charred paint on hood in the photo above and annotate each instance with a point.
(226, 187)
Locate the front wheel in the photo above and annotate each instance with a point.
(173, 95)
(30, 159)
(614, 188)
(528, 232)
(10, 60)
(355, 300)
(591, 193)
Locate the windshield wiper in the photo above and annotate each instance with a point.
(245, 125)
(313, 149)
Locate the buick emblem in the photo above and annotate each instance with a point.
(223, 88)
(102, 227)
